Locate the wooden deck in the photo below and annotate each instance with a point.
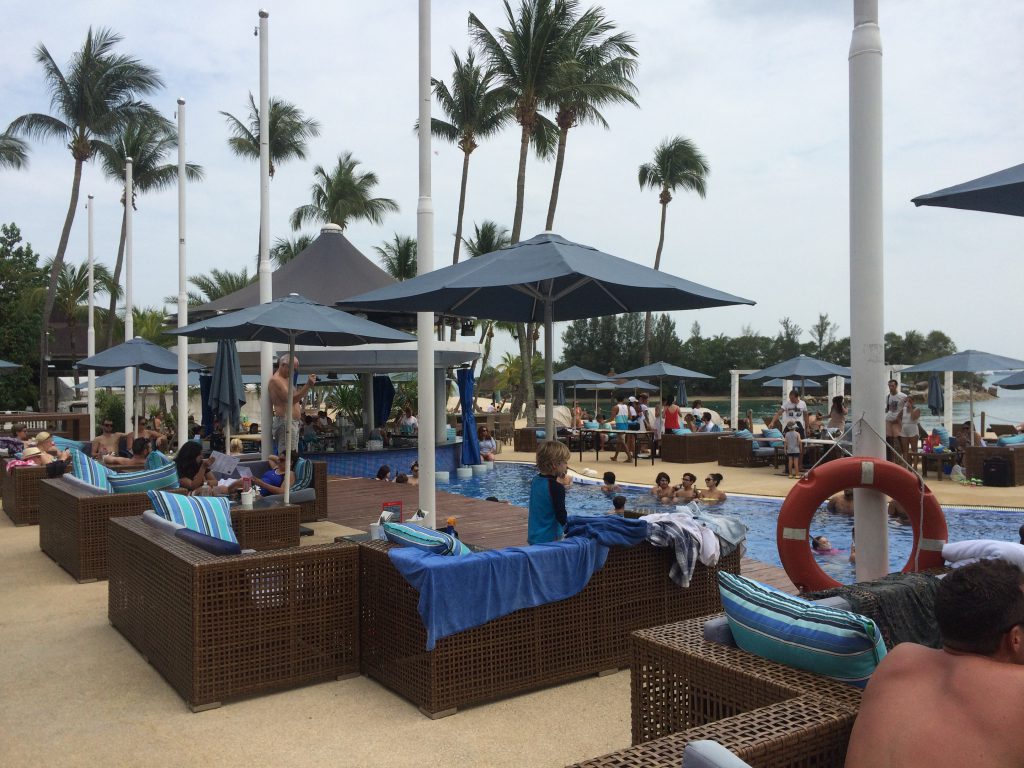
(357, 502)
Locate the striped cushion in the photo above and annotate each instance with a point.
(303, 474)
(89, 471)
(412, 535)
(157, 459)
(145, 480)
(207, 514)
(790, 630)
(63, 443)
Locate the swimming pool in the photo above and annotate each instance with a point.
(511, 482)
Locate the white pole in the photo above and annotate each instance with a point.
(91, 334)
(182, 285)
(867, 286)
(425, 259)
(266, 287)
(129, 320)
(734, 400)
(947, 402)
(549, 385)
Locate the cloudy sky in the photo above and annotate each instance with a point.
(761, 87)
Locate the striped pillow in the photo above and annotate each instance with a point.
(145, 480)
(303, 474)
(157, 459)
(790, 630)
(412, 535)
(206, 514)
(89, 471)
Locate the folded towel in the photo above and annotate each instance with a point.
(731, 531)
(610, 530)
(459, 593)
(666, 532)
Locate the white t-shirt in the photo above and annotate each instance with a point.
(794, 412)
(407, 424)
(893, 403)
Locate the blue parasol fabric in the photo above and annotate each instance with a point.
(206, 413)
(999, 192)
(383, 399)
(227, 392)
(470, 441)
(560, 397)
(936, 401)
(681, 393)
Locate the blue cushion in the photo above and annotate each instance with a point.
(303, 474)
(774, 433)
(591, 425)
(943, 434)
(90, 471)
(207, 514)
(62, 443)
(745, 433)
(412, 535)
(157, 459)
(209, 544)
(790, 630)
(1010, 440)
(540, 434)
(144, 480)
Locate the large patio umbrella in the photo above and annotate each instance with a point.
(6, 366)
(573, 374)
(779, 383)
(636, 384)
(601, 386)
(936, 399)
(293, 320)
(799, 367)
(968, 361)
(1013, 381)
(1000, 192)
(115, 380)
(470, 440)
(544, 280)
(227, 392)
(663, 370)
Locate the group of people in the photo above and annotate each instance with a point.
(685, 491)
(413, 478)
(39, 451)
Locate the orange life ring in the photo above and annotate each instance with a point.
(822, 482)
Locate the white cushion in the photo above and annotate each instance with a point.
(977, 549)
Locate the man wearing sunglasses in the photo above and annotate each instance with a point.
(964, 703)
(106, 441)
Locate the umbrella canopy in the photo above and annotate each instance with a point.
(575, 373)
(544, 279)
(681, 398)
(636, 384)
(296, 320)
(936, 400)
(805, 383)
(6, 366)
(136, 353)
(115, 380)
(1000, 192)
(604, 385)
(968, 361)
(1013, 381)
(227, 392)
(799, 367)
(666, 370)
(470, 439)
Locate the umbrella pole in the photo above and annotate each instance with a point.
(549, 385)
(290, 424)
(970, 390)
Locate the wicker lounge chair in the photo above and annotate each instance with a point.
(20, 489)
(218, 627)
(741, 452)
(73, 525)
(693, 448)
(312, 510)
(974, 461)
(685, 688)
(531, 648)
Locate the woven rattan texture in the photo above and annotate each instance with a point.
(739, 452)
(531, 648)
(690, 449)
(317, 509)
(266, 528)
(974, 461)
(221, 627)
(20, 490)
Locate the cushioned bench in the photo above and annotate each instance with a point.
(693, 448)
(742, 452)
(218, 627)
(530, 648)
(73, 525)
(312, 501)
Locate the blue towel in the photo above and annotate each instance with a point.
(459, 593)
(731, 531)
(609, 530)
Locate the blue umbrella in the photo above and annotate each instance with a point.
(227, 392)
(636, 384)
(6, 366)
(383, 399)
(561, 393)
(776, 383)
(470, 441)
(681, 393)
(799, 367)
(576, 373)
(663, 370)
(1014, 381)
(544, 279)
(936, 401)
(115, 380)
(292, 319)
(1000, 192)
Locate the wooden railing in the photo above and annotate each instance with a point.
(74, 426)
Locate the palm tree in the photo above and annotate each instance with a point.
(288, 127)
(488, 236)
(598, 71)
(342, 196)
(99, 93)
(476, 110)
(218, 284)
(72, 297)
(285, 249)
(678, 164)
(147, 141)
(13, 152)
(149, 324)
(398, 257)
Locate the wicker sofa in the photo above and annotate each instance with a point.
(974, 461)
(685, 688)
(742, 452)
(218, 627)
(20, 490)
(313, 509)
(530, 648)
(693, 448)
(73, 525)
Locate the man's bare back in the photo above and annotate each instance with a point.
(934, 708)
(278, 389)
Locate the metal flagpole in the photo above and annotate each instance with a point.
(129, 319)
(266, 287)
(91, 335)
(182, 420)
(425, 264)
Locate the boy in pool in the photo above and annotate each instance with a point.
(547, 515)
(662, 488)
(686, 491)
(619, 505)
(610, 486)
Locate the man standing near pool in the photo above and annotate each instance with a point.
(894, 401)
(277, 387)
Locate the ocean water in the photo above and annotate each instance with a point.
(511, 482)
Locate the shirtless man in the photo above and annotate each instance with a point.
(960, 705)
(141, 448)
(686, 491)
(278, 389)
(106, 442)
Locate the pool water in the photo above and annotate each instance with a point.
(511, 482)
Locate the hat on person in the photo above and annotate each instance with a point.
(42, 437)
(28, 453)
(632, 399)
